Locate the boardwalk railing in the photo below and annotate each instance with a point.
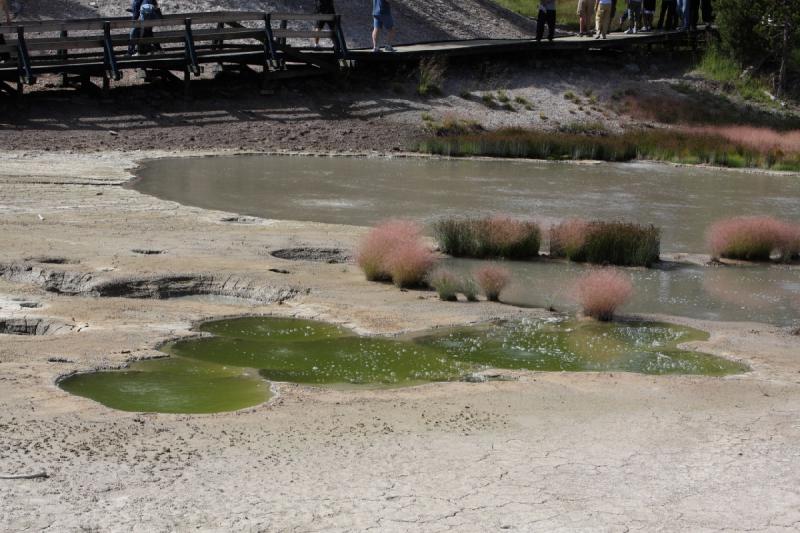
(177, 42)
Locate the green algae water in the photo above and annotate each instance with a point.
(232, 368)
(172, 385)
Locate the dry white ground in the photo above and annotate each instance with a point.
(547, 451)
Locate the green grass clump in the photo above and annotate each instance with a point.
(470, 289)
(431, 76)
(488, 237)
(718, 67)
(445, 283)
(585, 128)
(606, 243)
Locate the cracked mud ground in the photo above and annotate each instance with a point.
(594, 452)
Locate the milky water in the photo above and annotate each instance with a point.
(766, 294)
(682, 201)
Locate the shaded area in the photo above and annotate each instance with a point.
(220, 373)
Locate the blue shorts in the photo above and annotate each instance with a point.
(385, 22)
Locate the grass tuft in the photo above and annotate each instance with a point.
(445, 283)
(492, 279)
(395, 251)
(754, 239)
(601, 292)
(497, 236)
(611, 243)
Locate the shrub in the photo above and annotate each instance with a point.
(613, 243)
(408, 263)
(446, 284)
(492, 280)
(381, 242)
(601, 292)
(497, 236)
(754, 239)
(431, 76)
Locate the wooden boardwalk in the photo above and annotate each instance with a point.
(273, 45)
(571, 43)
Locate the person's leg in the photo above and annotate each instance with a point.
(551, 25)
(598, 24)
(388, 25)
(661, 16)
(134, 36)
(540, 22)
(320, 25)
(605, 19)
(708, 11)
(376, 32)
(672, 15)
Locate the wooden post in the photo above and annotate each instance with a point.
(190, 54)
(23, 59)
(111, 69)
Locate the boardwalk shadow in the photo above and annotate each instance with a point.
(158, 105)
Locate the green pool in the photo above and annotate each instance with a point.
(232, 368)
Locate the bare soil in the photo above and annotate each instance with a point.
(539, 451)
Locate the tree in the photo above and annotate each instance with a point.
(755, 32)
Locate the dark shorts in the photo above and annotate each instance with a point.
(383, 22)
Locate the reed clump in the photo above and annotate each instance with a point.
(754, 238)
(498, 236)
(611, 243)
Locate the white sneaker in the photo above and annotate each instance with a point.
(628, 31)
(376, 49)
(634, 30)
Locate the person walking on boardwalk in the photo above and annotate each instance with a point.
(142, 10)
(634, 16)
(5, 11)
(547, 15)
(584, 16)
(602, 17)
(668, 18)
(648, 14)
(323, 7)
(382, 21)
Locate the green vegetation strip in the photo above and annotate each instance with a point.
(660, 145)
(228, 371)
